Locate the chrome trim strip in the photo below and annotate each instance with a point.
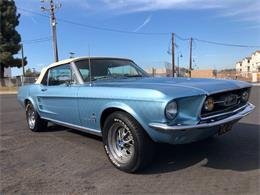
(225, 113)
(164, 127)
(76, 127)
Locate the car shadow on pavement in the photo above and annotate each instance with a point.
(236, 150)
(56, 128)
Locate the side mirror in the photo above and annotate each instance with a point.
(68, 83)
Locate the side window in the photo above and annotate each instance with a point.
(60, 75)
(45, 78)
(83, 67)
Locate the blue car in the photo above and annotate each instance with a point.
(116, 99)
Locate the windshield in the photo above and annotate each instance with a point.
(108, 69)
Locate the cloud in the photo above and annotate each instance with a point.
(153, 5)
(146, 21)
(236, 10)
(242, 11)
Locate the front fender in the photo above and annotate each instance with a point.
(124, 107)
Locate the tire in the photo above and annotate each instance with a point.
(35, 123)
(126, 144)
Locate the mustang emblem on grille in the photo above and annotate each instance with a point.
(230, 100)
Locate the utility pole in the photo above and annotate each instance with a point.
(173, 63)
(22, 60)
(179, 56)
(190, 67)
(52, 9)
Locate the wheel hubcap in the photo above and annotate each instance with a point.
(31, 117)
(121, 143)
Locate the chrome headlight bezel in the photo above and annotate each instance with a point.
(171, 110)
(245, 96)
(209, 104)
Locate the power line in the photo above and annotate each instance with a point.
(95, 27)
(29, 43)
(38, 40)
(226, 44)
(141, 33)
(181, 38)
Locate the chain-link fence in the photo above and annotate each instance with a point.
(17, 81)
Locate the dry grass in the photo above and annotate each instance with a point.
(8, 89)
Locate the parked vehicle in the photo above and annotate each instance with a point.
(116, 99)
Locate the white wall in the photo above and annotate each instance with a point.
(8, 72)
(253, 62)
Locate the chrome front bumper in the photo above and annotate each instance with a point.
(164, 127)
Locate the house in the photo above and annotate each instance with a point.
(249, 64)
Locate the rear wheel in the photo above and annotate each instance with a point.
(127, 145)
(35, 123)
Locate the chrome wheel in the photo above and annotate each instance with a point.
(31, 116)
(121, 142)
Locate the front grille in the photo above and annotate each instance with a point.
(221, 105)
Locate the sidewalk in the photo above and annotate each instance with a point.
(7, 92)
(256, 84)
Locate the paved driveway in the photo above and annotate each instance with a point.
(61, 160)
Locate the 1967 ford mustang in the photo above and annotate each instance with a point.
(116, 99)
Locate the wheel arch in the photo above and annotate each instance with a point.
(109, 109)
(28, 99)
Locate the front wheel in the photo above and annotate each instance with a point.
(35, 123)
(127, 145)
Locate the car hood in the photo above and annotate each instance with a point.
(182, 86)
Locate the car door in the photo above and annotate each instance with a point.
(58, 97)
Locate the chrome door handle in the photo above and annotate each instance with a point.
(44, 89)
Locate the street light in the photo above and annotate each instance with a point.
(71, 54)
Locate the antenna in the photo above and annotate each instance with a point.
(89, 65)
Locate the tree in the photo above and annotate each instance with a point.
(10, 39)
(31, 73)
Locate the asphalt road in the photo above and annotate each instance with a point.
(61, 160)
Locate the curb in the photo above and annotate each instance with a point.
(8, 92)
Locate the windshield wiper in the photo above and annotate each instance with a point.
(102, 78)
(109, 77)
(129, 76)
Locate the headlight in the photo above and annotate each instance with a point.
(171, 110)
(209, 104)
(245, 96)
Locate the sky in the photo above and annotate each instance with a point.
(227, 21)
